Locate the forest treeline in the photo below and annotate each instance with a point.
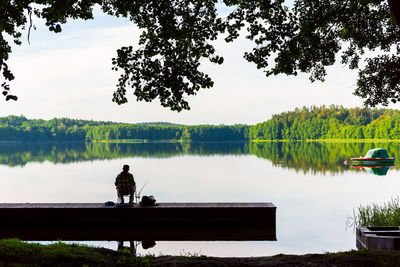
(19, 128)
(329, 122)
(325, 122)
(175, 132)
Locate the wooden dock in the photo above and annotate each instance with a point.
(378, 237)
(167, 221)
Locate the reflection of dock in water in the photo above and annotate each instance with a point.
(167, 221)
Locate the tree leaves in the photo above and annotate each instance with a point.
(175, 39)
(177, 35)
(379, 81)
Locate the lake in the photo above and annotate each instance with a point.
(313, 190)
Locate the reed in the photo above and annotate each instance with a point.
(387, 214)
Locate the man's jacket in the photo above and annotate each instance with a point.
(125, 183)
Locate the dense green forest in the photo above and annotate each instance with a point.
(333, 122)
(19, 128)
(180, 132)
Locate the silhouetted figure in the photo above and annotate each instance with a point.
(125, 185)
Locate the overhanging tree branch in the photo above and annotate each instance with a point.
(178, 34)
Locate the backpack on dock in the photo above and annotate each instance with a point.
(148, 201)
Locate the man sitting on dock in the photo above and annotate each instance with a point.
(125, 185)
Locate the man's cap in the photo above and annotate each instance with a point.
(125, 167)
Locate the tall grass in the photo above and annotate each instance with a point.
(387, 214)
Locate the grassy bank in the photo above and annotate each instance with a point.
(16, 253)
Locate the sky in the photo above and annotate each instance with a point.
(69, 75)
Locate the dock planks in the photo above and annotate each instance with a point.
(167, 221)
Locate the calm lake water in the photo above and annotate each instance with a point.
(313, 190)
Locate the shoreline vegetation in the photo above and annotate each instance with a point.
(314, 124)
(14, 252)
(386, 214)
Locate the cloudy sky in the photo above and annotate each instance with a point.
(69, 75)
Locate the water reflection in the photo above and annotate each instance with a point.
(230, 172)
(316, 157)
(132, 248)
(375, 170)
(380, 171)
(19, 154)
(303, 157)
(146, 237)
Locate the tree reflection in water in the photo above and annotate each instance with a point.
(314, 157)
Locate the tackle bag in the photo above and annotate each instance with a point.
(148, 201)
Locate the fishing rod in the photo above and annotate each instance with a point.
(138, 194)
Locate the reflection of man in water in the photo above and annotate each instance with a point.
(132, 247)
(146, 244)
(125, 185)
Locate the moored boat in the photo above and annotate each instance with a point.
(377, 156)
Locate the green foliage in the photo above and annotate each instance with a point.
(19, 128)
(14, 128)
(333, 122)
(177, 35)
(387, 214)
(155, 132)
